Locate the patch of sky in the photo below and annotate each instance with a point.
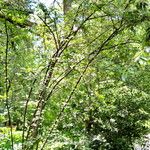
(48, 3)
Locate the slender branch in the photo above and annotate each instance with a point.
(25, 112)
(7, 84)
(51, 31)
(56, 28)
(121, 44)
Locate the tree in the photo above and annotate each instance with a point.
(75, 74)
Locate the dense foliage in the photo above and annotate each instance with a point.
(74, 75)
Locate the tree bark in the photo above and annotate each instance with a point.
(66, 6)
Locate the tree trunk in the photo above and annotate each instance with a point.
(66, 6)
